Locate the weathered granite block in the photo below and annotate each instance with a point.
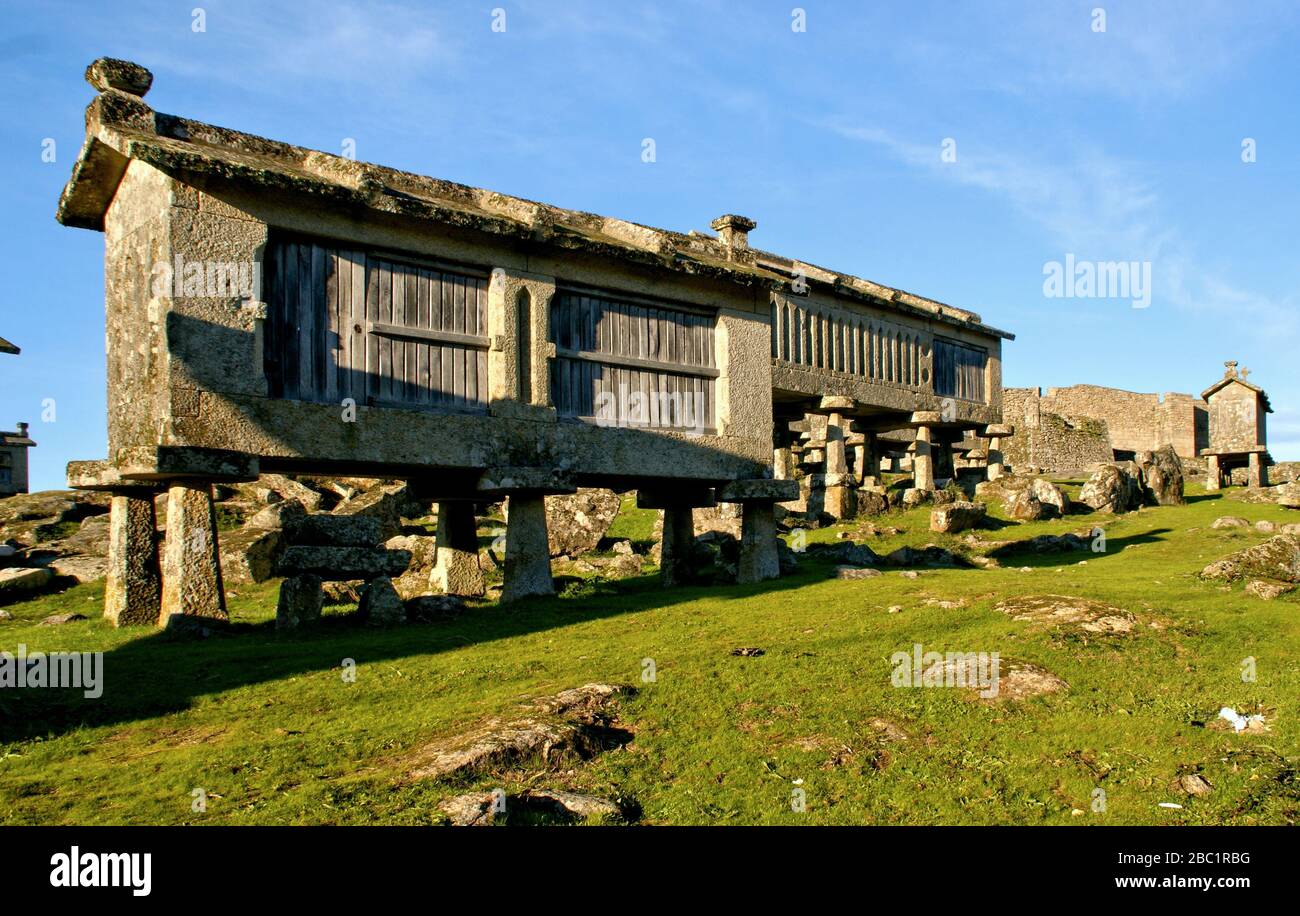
(133, 583)
(300, 601)
(191, 567)
(335, 530)
(759, 559)
(528, 557)
(335, 564)
(456, 569)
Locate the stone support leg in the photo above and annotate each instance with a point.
(528, 556)
(836, 459)
(676, 547)
(191, 565)
(923, 460)
(133, 583)
(1213, 475)
(759, 559)
(995, 458)
(455, 569)
(1258, 474)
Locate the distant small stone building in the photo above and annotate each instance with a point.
(1238, 412)
(13, 460)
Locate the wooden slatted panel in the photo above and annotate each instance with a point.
(831, 340)
(960, 370)
(631, 363)
(347, 324)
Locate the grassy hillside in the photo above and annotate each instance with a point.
(265, 723)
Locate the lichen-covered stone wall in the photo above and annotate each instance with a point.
(1049, 441)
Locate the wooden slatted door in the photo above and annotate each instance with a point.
(632, 363)
(960, 370)
(380, 330)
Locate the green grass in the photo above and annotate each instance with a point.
(265, 724)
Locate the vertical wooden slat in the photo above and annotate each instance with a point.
(292, 324)
(446, 386)
(330, 345)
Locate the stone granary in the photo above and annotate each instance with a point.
(1238, 413)
(274, 308)
(13, 460)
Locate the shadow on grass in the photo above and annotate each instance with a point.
(1028, 554)
(161, 673)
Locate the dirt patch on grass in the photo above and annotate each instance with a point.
(1067, 611)
(165, 740)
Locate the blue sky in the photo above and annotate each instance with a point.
(1122, 145)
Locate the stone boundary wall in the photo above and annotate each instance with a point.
(1129, 421)
(1049, 441)
(1137, 422)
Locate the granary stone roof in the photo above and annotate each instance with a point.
(7, 347)
(120, 127)
(1229, 378)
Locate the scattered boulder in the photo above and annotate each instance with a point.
(1113, 488)
(1266, 590)
(418, 578)
(28, 519)
(89, 540)
(1057, 610)
(384, 503)
(1229, 521)
(482, 809)
(1288, 495)
(1026, 507)
(300, 601)
(577, 721)
(434, 608)
(380, 604)
(250, 554)
(1194, 784)
(1278, 558)
(570, 804)
(20, 582)
(1021, 680)
(328, 530)
(475, 809)
(55, 620)
(957, 516)
(1012, 490)
(845, 553)
(929, 555)
(912, 497)
(274, 488)
(77, 568)
(335, 563)
(576, 524)
(1264, 526)
(872, 502)
(1162, 476)
(855, 572)
(277, 515)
